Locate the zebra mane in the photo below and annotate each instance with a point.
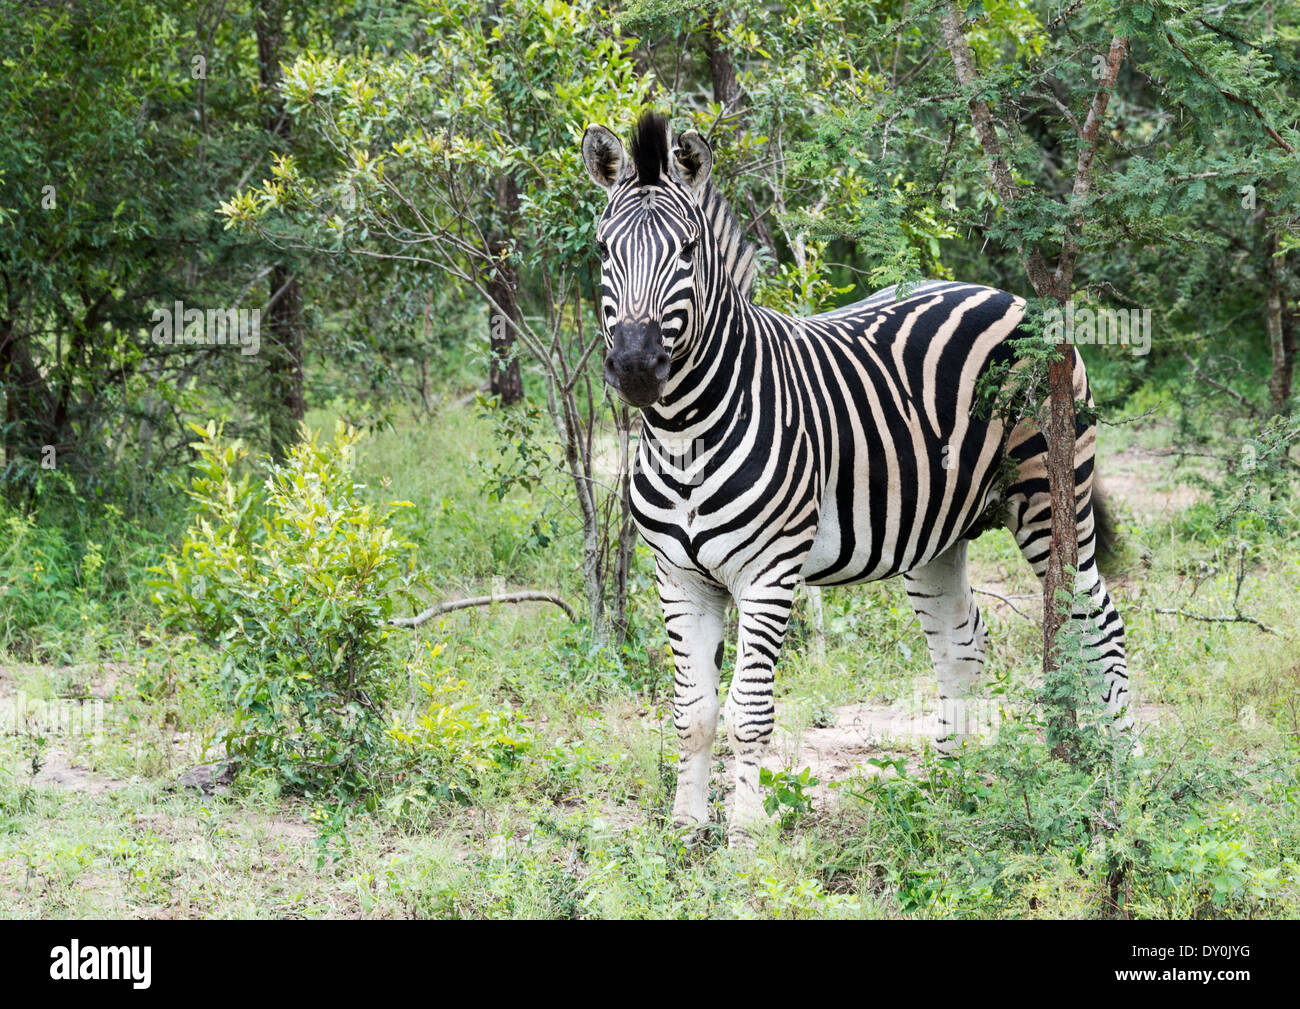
(649, 150)
(739, 254)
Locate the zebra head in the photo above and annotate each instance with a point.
(649, 239)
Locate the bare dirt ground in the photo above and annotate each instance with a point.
(1145, 482)
(55, 718)
(81, 713)
(58, 770)
(863, 732)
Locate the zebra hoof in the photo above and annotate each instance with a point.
(952, 747)
(739, 839)
(689, 829)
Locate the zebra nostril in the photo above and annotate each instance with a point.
(660, 365)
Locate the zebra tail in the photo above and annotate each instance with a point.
(1107, 539)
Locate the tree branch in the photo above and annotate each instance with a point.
(1251, 407)
(963, 61)
(464, 604)
(1236, 617)
(1063, 278)
(1000, 598)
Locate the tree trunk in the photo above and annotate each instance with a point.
(1281, 333)
(505, 380)
(283, 342)
(25, 400)
(504, 376)
(1063, 556)
(283, 337)
(626, 547)
(726, 89)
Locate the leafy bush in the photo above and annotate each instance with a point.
(293, 579)
(455, 740)
(1205, 867)
(785, 793)
(1012, 828)
(770, 896)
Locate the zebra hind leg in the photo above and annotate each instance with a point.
(940, 593)
(1030, 522)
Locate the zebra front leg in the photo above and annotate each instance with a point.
(693, 616)
(940, 593)
(751, 709)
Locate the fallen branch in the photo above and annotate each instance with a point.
(1236, 617)
(464, 604)
(986, 592)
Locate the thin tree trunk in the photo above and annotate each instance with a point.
(726, 89)
(1060, 432)
(284, 367)
(25, 398)
(626, 547)
(1281, 333)
(563, 407)
(1063, 557)
(504, 376)
(283, 336)
(505, 380)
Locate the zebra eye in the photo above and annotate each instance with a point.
(604, 250)
(688, 250)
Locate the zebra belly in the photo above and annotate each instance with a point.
(822, 568)
(825, 566)
(882, 514)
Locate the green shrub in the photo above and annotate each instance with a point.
(455, 740)
(1012, 828)
(785, 796)
(293, 579)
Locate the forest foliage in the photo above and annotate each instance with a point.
(397, 191)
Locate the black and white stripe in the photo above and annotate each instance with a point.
(840, 448)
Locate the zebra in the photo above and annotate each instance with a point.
(834, 449)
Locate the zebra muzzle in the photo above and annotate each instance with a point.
(637, 365)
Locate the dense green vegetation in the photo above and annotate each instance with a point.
(526, 775)
(205, 711)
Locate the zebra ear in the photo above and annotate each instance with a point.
(603, 155)
(694, 159)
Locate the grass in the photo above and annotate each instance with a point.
(100, 825)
